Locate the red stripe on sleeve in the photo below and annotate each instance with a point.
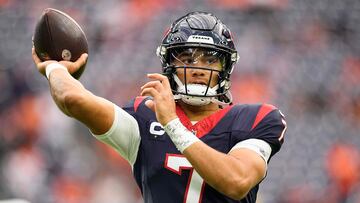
(264, 110)
(138, 101)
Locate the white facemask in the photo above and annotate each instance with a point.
(195, 89)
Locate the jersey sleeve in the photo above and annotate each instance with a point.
(262, 148)
(258, 146)
(270, 127)
(123, 135)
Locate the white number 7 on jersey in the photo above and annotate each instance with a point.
(176, 163)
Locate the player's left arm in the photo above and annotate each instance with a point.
(236, 173)
(233, 174)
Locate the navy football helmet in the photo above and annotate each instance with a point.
(199, 31)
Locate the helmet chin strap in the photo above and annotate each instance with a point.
(197, 89)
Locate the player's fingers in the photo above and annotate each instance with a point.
(81, 60)
(153, 84)
(150, 92)
(157, 76)
(150, 104)
(74, 66)
(39, 64)
(162, 78)
(36, 59)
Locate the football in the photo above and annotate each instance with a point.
(59, 37)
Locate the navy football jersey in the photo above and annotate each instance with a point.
(164, 175)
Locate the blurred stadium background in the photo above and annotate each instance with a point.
(300, 55)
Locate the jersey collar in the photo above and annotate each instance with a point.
(203, 126)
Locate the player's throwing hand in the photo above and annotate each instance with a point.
(72, 67)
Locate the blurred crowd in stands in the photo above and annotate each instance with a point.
(303, 56)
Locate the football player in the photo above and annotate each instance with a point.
(183, 137)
